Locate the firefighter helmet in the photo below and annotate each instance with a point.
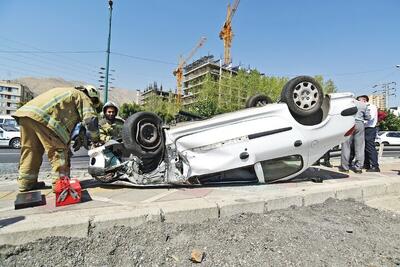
(108, 105)
(91, 92)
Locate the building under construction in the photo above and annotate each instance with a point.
(195, 73)
(154, 90)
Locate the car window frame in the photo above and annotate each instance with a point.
(260, 169)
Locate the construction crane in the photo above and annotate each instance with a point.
(178, 72)
(226, 33)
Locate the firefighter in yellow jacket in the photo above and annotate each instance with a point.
(46, 123)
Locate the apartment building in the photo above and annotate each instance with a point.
(194, 74)
(378, 100)
(11, 94)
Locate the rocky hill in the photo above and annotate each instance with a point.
(41, 85)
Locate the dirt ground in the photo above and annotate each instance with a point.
(336, 233)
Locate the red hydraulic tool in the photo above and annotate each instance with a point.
(68, 191)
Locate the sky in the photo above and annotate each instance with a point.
(353, 42)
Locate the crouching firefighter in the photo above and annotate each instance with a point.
(46, 123)
(110, 126)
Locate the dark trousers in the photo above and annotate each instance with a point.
(371, 156)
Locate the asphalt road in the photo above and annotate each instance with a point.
(80, 159)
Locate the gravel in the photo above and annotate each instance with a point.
(335, 233)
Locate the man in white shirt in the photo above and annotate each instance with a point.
(371, 156)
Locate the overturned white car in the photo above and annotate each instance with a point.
(263, 143)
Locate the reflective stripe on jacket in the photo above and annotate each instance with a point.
(59, 109)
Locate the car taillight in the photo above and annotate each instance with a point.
(351, 131)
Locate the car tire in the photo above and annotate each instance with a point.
(303, 96)
(142, 135)
(385, 143)
(312, 119)
(258, 100)
(15, 143)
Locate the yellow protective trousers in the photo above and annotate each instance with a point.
(35, 140)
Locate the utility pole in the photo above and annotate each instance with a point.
(388, 89)
(110, 7)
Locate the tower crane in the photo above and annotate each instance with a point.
(226, 32)
(178, 72)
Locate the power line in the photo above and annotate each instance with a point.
(18, 69)
(49, 52)
(144, 59)
(74, 61)
(54, 63)
(34, 65)
(381, 79)
(356, 73)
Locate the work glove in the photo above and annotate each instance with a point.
(80, 140)
(77, 144)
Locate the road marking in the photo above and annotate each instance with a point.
(157, 197)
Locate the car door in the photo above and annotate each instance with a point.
(395, 138)
(390, 138)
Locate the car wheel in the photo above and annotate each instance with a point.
(15, 143)
(385, 143)
(312, 119)
(142, 136)
(303, 95)
(258, 100)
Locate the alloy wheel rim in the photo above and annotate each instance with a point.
(305, 95)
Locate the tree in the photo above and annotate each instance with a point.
(225, 94)
(390, 123)
(165, 108)
(127, 109)
(230, 94)
(206, 104)
(329, 87)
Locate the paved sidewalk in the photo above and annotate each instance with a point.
(104, 206)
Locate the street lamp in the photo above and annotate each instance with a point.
(110, 7)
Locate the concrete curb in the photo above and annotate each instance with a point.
(66, 223)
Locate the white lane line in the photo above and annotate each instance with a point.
(156, 197)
